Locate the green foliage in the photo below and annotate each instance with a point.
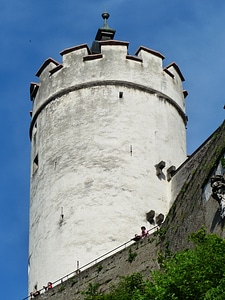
(216, 293)
(99, 268)
(190, 274)
(61, 289)
(73, 281)
(129, 288)
(132, 256)
(92, 292)
(161, 233)
(223, 162)
(197, 274)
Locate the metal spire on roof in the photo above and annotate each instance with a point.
(105, 16)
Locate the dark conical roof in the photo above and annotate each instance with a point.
(103, 33)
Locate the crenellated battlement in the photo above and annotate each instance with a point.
(80, 68)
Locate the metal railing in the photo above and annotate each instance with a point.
(88, 265)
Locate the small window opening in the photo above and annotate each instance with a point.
(62, 215)
(120, 95)
(131, 150)
(35, 164)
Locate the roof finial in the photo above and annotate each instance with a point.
(105, 16)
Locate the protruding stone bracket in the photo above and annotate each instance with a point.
(150, 217)
(159, 167)
(218, 192)
(170, 172)
(159, 219)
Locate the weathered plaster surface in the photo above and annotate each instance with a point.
(96, 176)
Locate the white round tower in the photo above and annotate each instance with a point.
(107, 130)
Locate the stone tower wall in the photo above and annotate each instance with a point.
(100, 124)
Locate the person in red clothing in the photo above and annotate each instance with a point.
(49, 285)
(144, 232)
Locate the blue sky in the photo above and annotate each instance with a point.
(191, 33)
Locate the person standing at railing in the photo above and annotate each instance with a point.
(48, 287)
(34, 294)
(143, 234)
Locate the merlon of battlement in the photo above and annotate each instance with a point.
(109, 45)
(174, 66)
(114, 43)
(75, 48)
(50, 63)
(156, 53)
